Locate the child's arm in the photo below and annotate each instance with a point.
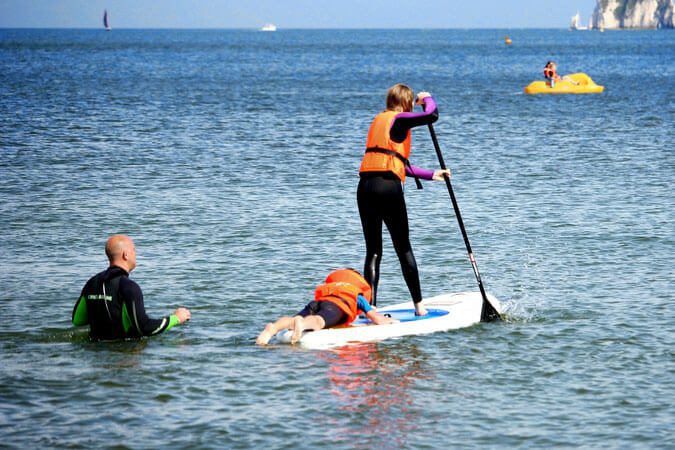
(379, 319)
(371, 313)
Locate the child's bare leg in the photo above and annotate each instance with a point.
(284, 323)
(566, 78)
(301, 324)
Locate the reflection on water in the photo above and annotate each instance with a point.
(372, 383)
(110, 355)
(117, 355)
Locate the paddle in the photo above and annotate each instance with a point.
(488, 313)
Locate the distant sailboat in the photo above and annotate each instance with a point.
(574, 24)
(105, 20)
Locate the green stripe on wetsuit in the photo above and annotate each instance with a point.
(80, 315)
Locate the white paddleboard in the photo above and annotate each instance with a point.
(446, 312)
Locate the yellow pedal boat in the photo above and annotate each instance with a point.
(580, 84)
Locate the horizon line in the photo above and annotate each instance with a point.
(258, 28)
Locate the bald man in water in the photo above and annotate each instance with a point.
(112, 305)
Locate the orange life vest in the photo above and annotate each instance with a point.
(550, 74)
(383, 154)
(342, 287)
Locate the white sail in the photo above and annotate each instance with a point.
(574, 24)
(106, 24)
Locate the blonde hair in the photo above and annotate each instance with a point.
(400, 96)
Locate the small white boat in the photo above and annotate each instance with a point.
(269, 27)
(446, 312)
(574, 24)
(106, 24)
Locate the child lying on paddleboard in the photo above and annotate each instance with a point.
(338, 301)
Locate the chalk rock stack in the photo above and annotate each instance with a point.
(614, 14)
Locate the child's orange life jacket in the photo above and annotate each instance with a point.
(550, 74)
(342, 287)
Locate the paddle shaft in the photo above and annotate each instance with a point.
(489, 312)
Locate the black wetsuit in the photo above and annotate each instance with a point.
(380, 200)
(112, 305)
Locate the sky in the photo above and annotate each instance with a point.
(294, 13)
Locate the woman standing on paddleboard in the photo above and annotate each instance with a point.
(380, 192)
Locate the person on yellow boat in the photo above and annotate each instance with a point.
(551, 74)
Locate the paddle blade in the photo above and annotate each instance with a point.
(489, 313)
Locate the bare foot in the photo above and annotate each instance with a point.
(420, 310)
(266, 335)
(297, 329)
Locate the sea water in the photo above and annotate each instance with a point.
(231, 158)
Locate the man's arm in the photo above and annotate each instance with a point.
(80, 315)
(137, 318)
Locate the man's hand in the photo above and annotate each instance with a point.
(183, 314)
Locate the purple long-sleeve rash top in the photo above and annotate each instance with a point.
(404, 121)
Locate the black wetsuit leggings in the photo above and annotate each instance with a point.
(380, 199)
